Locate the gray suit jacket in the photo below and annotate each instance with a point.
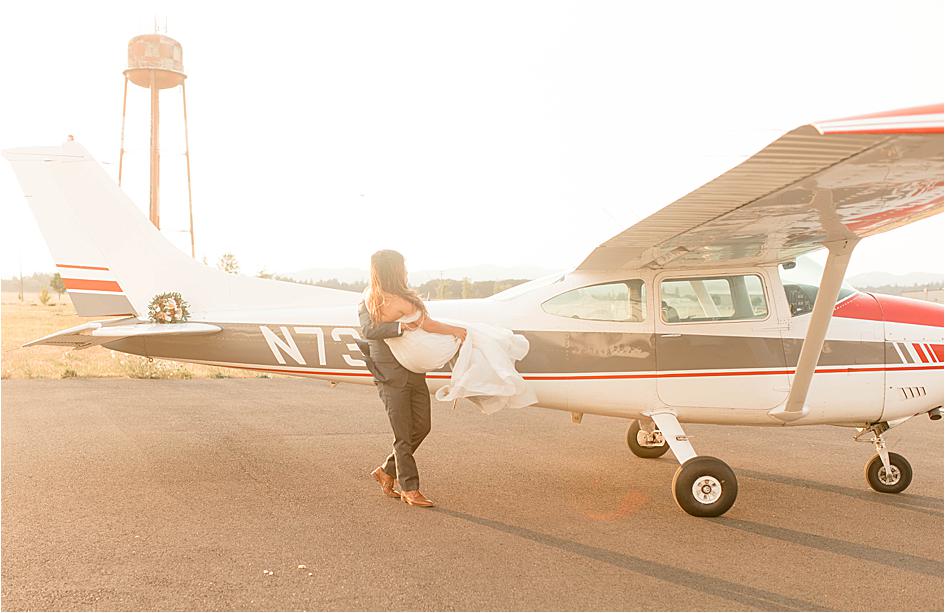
(380, 361)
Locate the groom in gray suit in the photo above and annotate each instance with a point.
(407, 400)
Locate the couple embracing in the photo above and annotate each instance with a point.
(402, 343)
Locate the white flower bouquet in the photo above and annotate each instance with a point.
(168, 308)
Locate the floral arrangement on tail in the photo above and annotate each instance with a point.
(168, 308)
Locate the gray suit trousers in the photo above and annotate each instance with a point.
(408, 409)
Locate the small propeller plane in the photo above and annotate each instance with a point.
(708, 311)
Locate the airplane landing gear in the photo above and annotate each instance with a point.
(645, 443)
(890, 480)
(886, 472)
(703, 486)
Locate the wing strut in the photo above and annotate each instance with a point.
(834, 270)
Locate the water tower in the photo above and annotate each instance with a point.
(155, 62)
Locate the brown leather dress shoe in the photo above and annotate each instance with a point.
(386, 482)
(416, 499)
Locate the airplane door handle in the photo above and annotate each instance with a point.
(670, 335)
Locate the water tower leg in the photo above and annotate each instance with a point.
(121, 152)
(155, 154)
(190, 201)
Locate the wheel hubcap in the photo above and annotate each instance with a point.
(707, 489)
(889, 478)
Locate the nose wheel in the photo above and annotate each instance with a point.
(892, 480)
(886, 472)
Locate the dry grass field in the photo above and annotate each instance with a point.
(29, 320)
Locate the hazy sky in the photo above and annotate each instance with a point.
(510, 133)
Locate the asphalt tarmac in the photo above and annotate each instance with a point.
(128, 494)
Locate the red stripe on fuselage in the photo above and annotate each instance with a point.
(82, 267)
(918, 350)
(734, 373)
(939, 352)
(92, 284)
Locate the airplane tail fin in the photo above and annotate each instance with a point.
(113, 261)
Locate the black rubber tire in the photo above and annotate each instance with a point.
(875, 465)
(639, 450)
(696, 468)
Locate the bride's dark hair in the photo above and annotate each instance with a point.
(389, 276)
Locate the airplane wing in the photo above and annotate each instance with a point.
(825, 182)
(94, 333)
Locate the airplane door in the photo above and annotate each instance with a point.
(851, 383)
(718, 343)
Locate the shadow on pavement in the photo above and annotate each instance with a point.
(920, 504)
(901, 561)
(745, 595)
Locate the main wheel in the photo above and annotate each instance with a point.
(705, 486)
(639, 444)
(896, 480)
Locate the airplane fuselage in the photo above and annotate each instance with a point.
(882, 360)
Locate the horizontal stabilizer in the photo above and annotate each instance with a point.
(98, 333)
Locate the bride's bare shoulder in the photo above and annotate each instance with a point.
(401, 304)
(394, 307)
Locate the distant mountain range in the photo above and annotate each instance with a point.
(879, 279)
(474, 273)
(495, 273)
(37, 281)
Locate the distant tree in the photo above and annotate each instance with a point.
(354, 286)
(58, 286)
(898, 290)
(228, 263)
(446, 289)
(264, 274)
(436, 289)
(441, 289)
(44, 296)
(501, 286)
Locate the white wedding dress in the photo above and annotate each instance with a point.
(421, 351)
(484, 369)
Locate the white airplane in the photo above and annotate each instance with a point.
(700, 313)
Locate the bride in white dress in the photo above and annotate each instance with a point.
(483, 370)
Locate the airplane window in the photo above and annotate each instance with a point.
(713, 299)
(618, 301)
(518, 290)
(801, 283)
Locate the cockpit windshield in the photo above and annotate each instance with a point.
(524, 288)
(802, 282)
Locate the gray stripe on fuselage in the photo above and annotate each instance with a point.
(551, 351)
(837, 353)
(698, 352)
